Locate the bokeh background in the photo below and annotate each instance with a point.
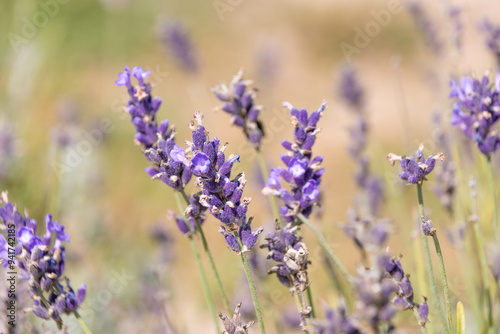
(57, 86)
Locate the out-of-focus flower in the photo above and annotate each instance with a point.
(337, 321)
(492, 38)
(7, 148)
(476, 111)
(235, 325)
(178, 43)
(303, 172)
(158, 140)
(367, 233)
(426, 26)
(239, 103)
(445, 178)
(41, 260)
(350, 89)
(415, 168)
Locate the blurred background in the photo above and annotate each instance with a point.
(67, 145)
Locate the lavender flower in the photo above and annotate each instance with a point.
(235, 325)
(492, 38)
(350, 89)
(303, 172)
(7, 148)
(239, 102)
(157, 139)
(285, 246)
(221, 195)
(367, 233)
(176, 39)
(477, 110)
(338, 321)
(371, 195)
(446, 184)
(426, 26)
(415, 168)
(41, 261)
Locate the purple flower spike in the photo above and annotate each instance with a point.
(477, 110)
(40, 261)
(178, 43)
(158, 140)
(303, 171)
(239, 102)
(415, 168)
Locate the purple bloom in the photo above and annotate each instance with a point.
(337, 321)
(415, 168)
(303, 172)
(239, 102)
(41, 262)
(426, 26)
(492, 38)
(423, 312)
(178, 43)
(285, 246)
(350, 89)
(476, 111)
(367, 233)
(220, 194)
(158, 140)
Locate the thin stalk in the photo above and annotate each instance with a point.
(428, 261)
(265, 174)
(325, 246)
(445, 280)
(491, 181)
(481, 253)
(82, 323)
(310, 300)
(253, 291)
(204, 281)
(218, 280)
(298, 303)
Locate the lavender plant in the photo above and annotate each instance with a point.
(491, 34)
(414, 171)
(158, 142)
(476, 112)
(177, 41)
(41, 261)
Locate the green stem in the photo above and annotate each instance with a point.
(445, 281)
(253, 291)
(325, 246)
(481, 254)
(310, 300)
(204, 281)
(491, 181)
(218, 280)
(265, 174)
(428, 261)
(82, 323)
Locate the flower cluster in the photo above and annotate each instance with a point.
(176, 39)
(477, 110)
(157, 139)
(303, 172)
(492, 37)
(446, 183)
(7, 147)
(194, 212)
(350, 89)
(285, 246)
(239, 102)
(221, 195)
(367, 233)
(426, 26)
(337, 321)
(235, 325)
(41, 261)
(415, 168)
